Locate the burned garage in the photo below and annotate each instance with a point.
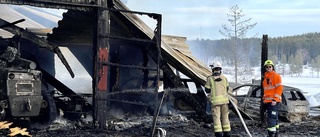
(123, 78)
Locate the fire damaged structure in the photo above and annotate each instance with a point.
(132, 67)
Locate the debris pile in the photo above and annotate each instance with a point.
(168, 126)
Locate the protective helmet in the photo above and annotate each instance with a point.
(268, 62)
(216, 64)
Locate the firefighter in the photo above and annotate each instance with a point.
(217, 87)
(272, 87)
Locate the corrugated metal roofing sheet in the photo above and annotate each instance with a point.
(183, 61)
(178, 51)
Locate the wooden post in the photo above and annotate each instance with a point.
(101, 71)
(264, 57)
(156, 104)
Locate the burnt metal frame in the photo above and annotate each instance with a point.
(157, 41)
(102, 5)
(81, 5)
(105, 62)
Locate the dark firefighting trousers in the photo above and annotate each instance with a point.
(273, 117)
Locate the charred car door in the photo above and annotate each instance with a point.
(252, 101)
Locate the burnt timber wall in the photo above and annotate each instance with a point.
(102, 14)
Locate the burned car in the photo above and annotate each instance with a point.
(294, 106)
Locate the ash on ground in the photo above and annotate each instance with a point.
(169, 126)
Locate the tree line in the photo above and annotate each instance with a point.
(295, 51)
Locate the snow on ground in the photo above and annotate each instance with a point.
(309, 86)
(307, 82)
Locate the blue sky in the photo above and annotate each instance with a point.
(203, 18)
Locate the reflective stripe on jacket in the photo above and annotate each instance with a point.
(218, 94)
(272, 87)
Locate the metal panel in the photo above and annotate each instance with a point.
(19, 105)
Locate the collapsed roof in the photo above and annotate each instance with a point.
(175, 47)
(75, 32)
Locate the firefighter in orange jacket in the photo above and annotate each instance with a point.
(272, 86)
(217, 86)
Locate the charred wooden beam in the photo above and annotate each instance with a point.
(131, 39)
(101, 71)
(264, 57)
(12, 23)
(128, 66)
(157, 39)
(38, 41)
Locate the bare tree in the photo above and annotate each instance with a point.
(237, 30)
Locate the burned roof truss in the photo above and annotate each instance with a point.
(95, 30)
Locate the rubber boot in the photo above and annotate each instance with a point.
(277, 133)
(218, 134)
(226, 134)
(271, 134)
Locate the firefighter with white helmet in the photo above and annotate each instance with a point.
(217, 87)
(216, 68)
